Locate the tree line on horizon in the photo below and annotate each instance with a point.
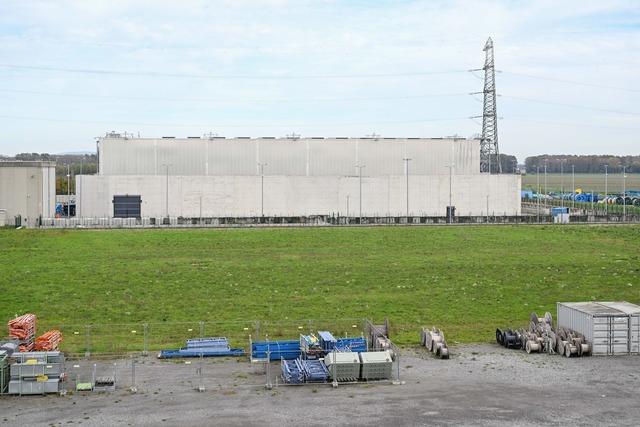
(582, 164)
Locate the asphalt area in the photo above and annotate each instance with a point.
(481, 384)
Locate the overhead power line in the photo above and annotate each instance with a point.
(624, 89)
(583, 107)
(224, 76)
(219, 100)
(214, 125)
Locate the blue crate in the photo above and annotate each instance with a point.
(289, 349)
(216, 343)
(185, 352)
(356, 345)
(292, 371)
(315, 371)
(327, 341)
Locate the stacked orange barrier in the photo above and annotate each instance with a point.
(49, 341)
(24, 328)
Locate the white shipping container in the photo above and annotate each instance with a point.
(613, 328)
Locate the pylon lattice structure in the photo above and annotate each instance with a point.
(489, 152)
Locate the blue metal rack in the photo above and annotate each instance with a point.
(292, 372)
(315, 371)
(289, 350)
(206, 347)
(356, 345)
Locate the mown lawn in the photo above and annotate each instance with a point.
(467, 280)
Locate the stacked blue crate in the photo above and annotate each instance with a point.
(277, 350)
(356, 345)
(292, 372)
(327, 341)
(206, 347)
(315, 371)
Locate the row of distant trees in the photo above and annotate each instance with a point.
(583, 164)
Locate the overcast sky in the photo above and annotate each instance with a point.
(567, 71)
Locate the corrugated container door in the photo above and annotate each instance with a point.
(634, 339)
(602, 335)
(611, 335)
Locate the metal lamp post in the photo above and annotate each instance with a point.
(407, 160)
(167, 165)
(262, 165)
(573, 187)
(624, 193)
(538, 190)
(360, 190)
(79, 206)
(450, 191)
(68, 192)
(562, 182)
(545, 182)
(606, 191)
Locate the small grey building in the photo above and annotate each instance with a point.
(27, 189)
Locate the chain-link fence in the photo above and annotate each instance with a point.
(127, 352)
(123, 339)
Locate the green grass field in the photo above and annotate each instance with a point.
(466, 280)
(586, 182)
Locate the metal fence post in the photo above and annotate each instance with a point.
(201, 388)
(144, 350)
(87, 352)
(269, 386)
(134, 389)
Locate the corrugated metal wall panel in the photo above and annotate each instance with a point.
(283, 156)
(232, 157)
(332, 156)
(382, 156)
(307, 156)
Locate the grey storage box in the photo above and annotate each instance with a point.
(344, 366)
(34, 387)
(376, 365)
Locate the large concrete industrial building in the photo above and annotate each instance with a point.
(215, 177)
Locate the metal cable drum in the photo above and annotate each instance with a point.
(570, 349)
(532, 346)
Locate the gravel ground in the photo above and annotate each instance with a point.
(482, 385)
